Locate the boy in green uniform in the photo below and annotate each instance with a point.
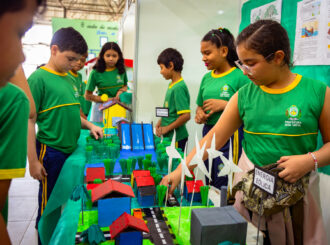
(80, 85)
(58, 112)
(15, 19)
(177, 98)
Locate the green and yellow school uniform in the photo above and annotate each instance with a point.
(280, 122)
(81, 86)
(58, 109)
(107, 82)
(85, 104)
(222, 87)
(177, 100)
(14, 114)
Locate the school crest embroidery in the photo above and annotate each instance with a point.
(293, 114)
(119, 80)
(225, 91)
(76, 93)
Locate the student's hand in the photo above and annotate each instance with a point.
(161, 131)
(158, 131)
(158, 123)
(173, 179)
(117, 95)
(213, 105)
(201, 116)
(96, 131)
(112, 99)
(119, 92)
(295, 167)
(37, 171)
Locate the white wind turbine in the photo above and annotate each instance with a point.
(229, 167)
(172, 153)
(213, 153)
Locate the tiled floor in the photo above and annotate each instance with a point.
(23, 205)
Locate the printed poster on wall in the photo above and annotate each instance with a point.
(96, 33)
(312, 41)
(270, 11)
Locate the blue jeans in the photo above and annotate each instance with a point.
(223, 181)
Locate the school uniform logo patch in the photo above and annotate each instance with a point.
(119, 80)
(76, 93)
(293, 114)
(166, 104)
(225, 91)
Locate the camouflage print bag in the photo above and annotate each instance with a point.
(286, 194)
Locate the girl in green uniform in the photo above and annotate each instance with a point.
(282, 113)
(108, 76)
(217, 87)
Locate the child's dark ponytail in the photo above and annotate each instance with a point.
(223, 37)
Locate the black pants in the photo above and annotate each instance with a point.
(53, 161)
(182, 143)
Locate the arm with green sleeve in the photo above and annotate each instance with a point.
(37, 171)
(91, 85)
(13, 136)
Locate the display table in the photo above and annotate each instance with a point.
(61, 219)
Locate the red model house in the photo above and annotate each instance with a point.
(113, 199)
(144, 181)
(138, 173)
(91, 186)
(191, 185)
(111, 188)
(141, 173)
(146, 190)
(128, 229)
(95, 173)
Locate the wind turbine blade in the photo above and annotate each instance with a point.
(224, 171)
(182, 176)
(213, 142)
(172, 152)
(185, 169)
(224, 159)
(210, 163)
(194, 161)
(202, 150)
(236, 169)
(197, 144)
(202, 167)
(173, 139)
